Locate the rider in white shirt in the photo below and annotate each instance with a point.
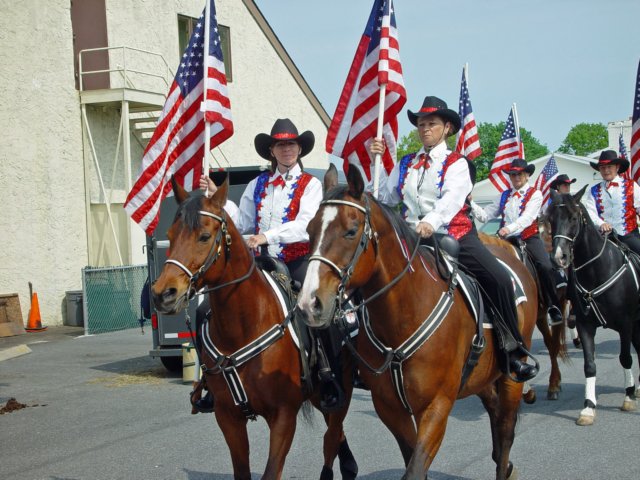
(518, 208)
(614, 203)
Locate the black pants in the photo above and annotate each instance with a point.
(632, 240)
(493, 278)
(544, 268)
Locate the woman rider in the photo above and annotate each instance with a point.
(274, 212)
(432, 185)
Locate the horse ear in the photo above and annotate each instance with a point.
(330, 178)
(180, 193)
(555, 196)
(355, 182)
(222, 193)
(578, 195)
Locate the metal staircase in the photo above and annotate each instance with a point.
(138, 83)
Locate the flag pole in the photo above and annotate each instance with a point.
(515, 119)
(203, 105)
(376, 168)
(465, 74)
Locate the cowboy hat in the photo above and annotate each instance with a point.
(519, 165)
(435, 106)
(562, 178)
(610, 157)
(283, 129)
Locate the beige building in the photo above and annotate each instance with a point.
(74, 140)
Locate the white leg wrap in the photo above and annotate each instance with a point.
(526, 388)
(590, 389)
(628, 378)
(574, 332)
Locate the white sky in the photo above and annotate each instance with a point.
(562, 62)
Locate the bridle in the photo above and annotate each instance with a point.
(345, 273)
(223, 238)
(581, 223)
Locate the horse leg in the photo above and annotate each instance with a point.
(502, 401)
(234, 429)
(551, 335)
(587, 333)
(432, 423)
(282, 427)
(335, 444)
(635, 340)
(400, 424)
(626, 360)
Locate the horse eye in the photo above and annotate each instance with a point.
(351, 233)
(204, 237)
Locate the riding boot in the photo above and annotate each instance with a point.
(513, 350)
(332, 395)
(200, 404)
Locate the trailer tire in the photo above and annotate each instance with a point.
(173, 364)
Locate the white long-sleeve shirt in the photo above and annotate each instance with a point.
(421, 193)
(272, 211)
(616, 209)
(514, 221)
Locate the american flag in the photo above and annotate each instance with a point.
(635, 132)
(468, 143)
(548, 174)
(623, 148)
(354, 123)
(508, 149)
(177, 145)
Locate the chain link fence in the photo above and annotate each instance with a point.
(112, 297)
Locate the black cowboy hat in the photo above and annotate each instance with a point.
(562, 178)
(610, 157)
(519, 165)
(435, 106)
(283, 129)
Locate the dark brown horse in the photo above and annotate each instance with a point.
(208, 251)
(355, 237)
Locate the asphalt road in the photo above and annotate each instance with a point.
(99, 408)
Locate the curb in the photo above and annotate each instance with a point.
(14, 352)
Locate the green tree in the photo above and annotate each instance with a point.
(585, 138)
(490, 135)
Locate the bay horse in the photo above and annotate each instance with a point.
(553, 336)
(206, 250)
(604, 291)
(359, 244)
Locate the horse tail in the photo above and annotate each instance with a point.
(307, 412)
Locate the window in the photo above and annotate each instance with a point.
(186, 25)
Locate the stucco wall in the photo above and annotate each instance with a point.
(42, 225)
(262, 88)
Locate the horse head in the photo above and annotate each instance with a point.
(197, 238)
(341, 259)
(566, 217)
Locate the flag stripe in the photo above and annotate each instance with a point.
(377, 61)
(468, 143)
(177, 146)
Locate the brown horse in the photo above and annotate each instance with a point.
(554, 336)
(355, 239)
(245, 308)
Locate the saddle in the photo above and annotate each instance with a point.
(312, 358)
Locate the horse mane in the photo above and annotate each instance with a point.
(189, 212)
(397, 222)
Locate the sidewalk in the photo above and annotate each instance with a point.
(51, 334)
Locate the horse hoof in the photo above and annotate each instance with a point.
(327, 473)
(529, 397)
(629, 405)
(585, 420)
(552, 395)
(512, 472)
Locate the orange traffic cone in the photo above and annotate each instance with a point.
(35, 322)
